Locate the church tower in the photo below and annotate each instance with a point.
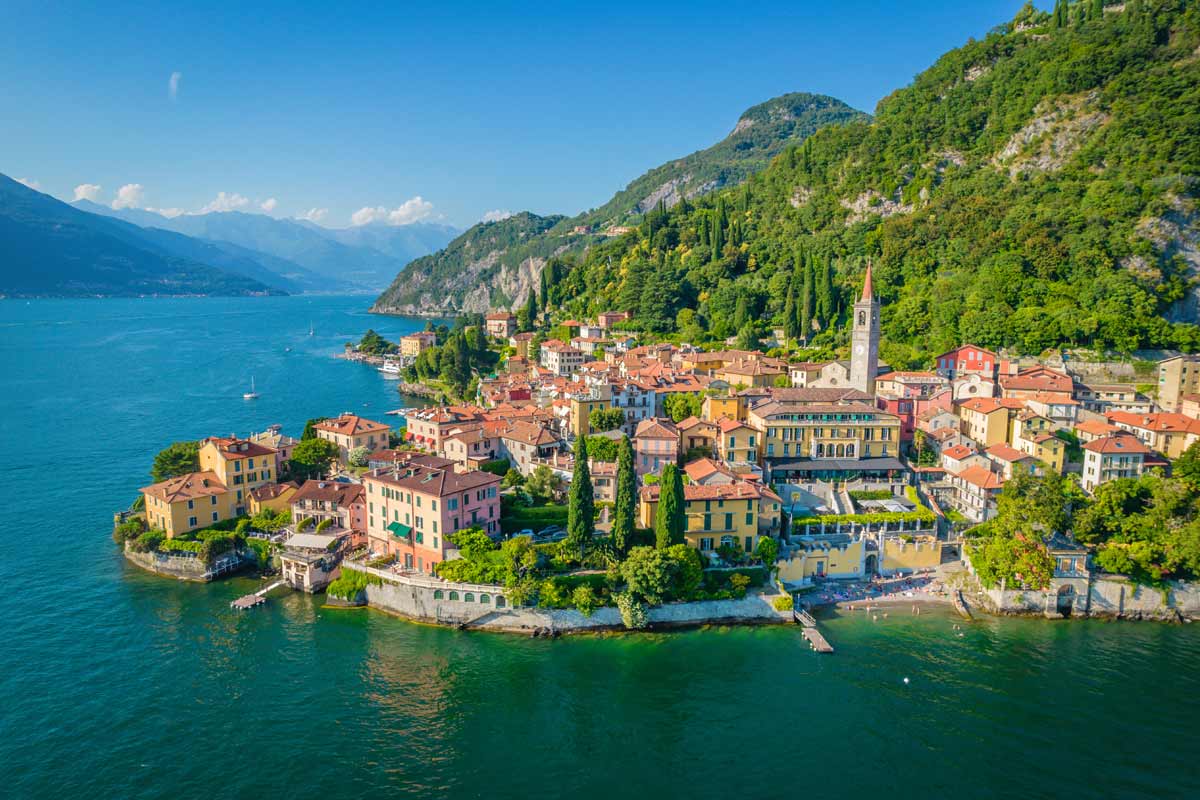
(864, 355)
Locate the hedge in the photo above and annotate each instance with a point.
(499, 466)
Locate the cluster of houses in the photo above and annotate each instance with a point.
(853, 467)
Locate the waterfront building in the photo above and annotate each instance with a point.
(413, 511)
(343, 504)
(240, 465)
(274, 496)
(715, 514)
(413, 344)
(848, 440)
(187, 503)
(560, 358)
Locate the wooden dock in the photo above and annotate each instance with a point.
(256, 599)
(815, 638)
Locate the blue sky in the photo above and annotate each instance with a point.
(438, 111)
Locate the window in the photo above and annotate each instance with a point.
(485, 599)
(749, 520)
(469, 597)
(500, 601)
(215, 516)
(706, 543)
(191, 522)
(453, 595)
(437, 594)
(728, 521)
(708, 522)
(749, 543)
(213, 498)
(191, 505)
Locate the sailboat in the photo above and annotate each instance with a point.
(311, 332)
(250, 395)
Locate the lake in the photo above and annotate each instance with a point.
(117, 683)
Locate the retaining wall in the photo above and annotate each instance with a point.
(1113, 598)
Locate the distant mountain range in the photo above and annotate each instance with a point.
(312, 257)
(52, 249)
(494, 264)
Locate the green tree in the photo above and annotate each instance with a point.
(358, 456)
(681, 405)
(670, 514)
(542, 482)
(606, 419)
(581, 505)
(310, 430)
(602, 448)
(625, 506)
(178, 458)
(311, 458)
(648, 574)
(767, 551)
(1187, 466)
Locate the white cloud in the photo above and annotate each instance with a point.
(88, 191)
(129, 196)
(412, 210)
(173, 85)
(314, 214)
(225, 202)
(496, 214)
(31, 183)
(169, 213)
(269, 204)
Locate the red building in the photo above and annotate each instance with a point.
(968, 360)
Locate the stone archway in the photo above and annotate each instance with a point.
(871, 564)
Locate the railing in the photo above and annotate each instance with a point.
(414, 578)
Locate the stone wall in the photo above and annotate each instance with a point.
(1109, 597)
(413, 598)
(188, 568)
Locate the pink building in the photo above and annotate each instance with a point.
(909, 406)
(655, 444)
(413, 510)
(343, 503)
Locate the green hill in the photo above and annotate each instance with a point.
(495, 264)
(1031, 190)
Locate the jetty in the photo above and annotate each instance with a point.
(960, 605)
(256, 599)
(809, 631)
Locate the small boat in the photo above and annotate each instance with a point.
(390, 369)
(311, 330)
(250, 395)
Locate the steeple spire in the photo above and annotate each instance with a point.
(868, 292)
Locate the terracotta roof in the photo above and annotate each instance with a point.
(342, 494)
(725, 424)
(982, 405)
(693, 422)
(704, 468)
(1096, 428)
(982, 477)
(1119, 443)
(811, 394)
(232, 449)
(958, 452)
(1005, 453)
(498, 315)
(1163, 422)
(186, 487)
(655, 428)
(528, 433)
(270, 491)
(742, 490)
(436, 482)
(941, 434)
(351, 425)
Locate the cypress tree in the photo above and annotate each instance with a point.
(1097, 9)
(624, 507)
(806, 298)
(668, 519)
(581, 505)
(789, 314)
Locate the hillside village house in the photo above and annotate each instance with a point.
(273, 496)
(275, 439)
(973, 493)
(1168, 433)
(716, 514)
(350, 431)
(1121, 455)
(737, 442)
(1177, 376)
(413, 510)
(187, 502)
(501, 325)
(560, 358)
(984, 420)
(607, 319)
(968, 360)
(803, 441)
(240, 465)
(523, 443)
(696, 434)
(655, 444)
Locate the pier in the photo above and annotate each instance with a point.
(256, 599)
(815, 638)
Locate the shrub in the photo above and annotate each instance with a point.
(127, 531)
(499, 466)
(349, 583)
(147, 542)
(584, 599)
(323, 524)
(739, 583)
(633, 612)
(179, 546)
(784, 603)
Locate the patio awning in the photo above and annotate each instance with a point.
(400, 531)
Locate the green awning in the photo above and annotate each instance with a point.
(400, 531)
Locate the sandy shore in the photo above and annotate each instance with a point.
(917, 590)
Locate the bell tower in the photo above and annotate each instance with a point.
(864, 354)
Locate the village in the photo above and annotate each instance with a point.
(781, 478)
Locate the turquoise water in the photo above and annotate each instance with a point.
(120, 684)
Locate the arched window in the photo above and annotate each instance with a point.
(841, 451)
(468, 598)
(862, 318)
(727, 541)
(437, 594)
(849, 451)
(454, 595)
(820, 450)
(485, 599)
(500, 602)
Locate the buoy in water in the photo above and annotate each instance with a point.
(906, 680)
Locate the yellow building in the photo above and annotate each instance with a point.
(713, 408)
(240, 465)
(1033, 435)
(737, 442)
(751, 374)
(831, 556)
(414, 344)
(582, 406)
(1177, 377)
(985, 421)
(275, 496)
(827, 441)
(187, 502)
(715, 515)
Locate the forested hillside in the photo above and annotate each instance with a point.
(496, 263)
(1032, 190)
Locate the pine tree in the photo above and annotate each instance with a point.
(531, 307)
(826, 302)
(581, 505)
(669, 517)
(741, 312)
(625, 506)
